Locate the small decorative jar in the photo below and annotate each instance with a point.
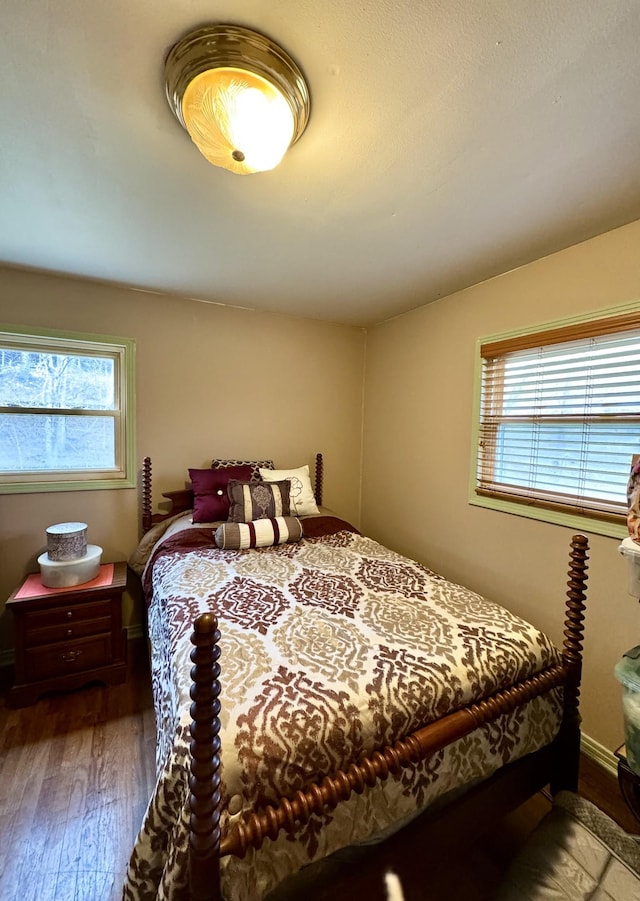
(67, 541)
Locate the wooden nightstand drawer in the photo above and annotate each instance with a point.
(66, 631)
(54, 660)
(70, 613)
(68, 637)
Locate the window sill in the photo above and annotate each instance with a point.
(572, 520)
(44, 487)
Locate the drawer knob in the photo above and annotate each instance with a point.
(70, 656)
(69, 614)
(69, 633)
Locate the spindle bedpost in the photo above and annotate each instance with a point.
(204, 778)
(146, 494)
(319, 479)
(569, 737)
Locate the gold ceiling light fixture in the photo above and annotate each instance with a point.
(241, 97)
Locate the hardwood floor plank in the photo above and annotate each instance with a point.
(33, 858)
(97, 887)
(66, 789)
(98, 841)
(87, 886)
(22, 779)
(39, 887)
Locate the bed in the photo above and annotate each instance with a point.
(320, 692)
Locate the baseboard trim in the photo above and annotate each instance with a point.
(599, 754)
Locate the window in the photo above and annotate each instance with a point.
(66, 412)
(559, 420)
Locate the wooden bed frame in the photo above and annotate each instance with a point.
(464, 819)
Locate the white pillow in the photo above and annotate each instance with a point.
(301, 498)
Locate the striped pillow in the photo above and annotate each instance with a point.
(260, 533)
(257, 500)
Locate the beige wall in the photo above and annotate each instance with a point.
(211, 381)
(216, 381)
(417, 427)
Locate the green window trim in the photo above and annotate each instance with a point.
(599, 322)
(122, 351)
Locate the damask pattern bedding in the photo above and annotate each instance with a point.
(331, 647)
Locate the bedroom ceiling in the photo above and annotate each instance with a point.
(449, 141)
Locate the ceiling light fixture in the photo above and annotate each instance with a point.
(241, 97)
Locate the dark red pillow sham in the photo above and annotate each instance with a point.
(210, 498)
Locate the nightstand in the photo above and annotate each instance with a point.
(66, 637)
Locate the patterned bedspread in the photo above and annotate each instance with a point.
(331, 647)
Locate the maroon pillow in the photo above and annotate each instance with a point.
(210, 497)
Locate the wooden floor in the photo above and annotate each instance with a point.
(77, 770)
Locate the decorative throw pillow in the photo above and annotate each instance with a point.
(255, 465)
(257, 500)
(210, 497)
(301, 495)
(259, 533)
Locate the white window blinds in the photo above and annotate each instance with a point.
(560, 417)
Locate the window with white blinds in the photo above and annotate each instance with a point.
(560, 417)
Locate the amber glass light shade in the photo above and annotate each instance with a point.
(241, 98)
(237, 120)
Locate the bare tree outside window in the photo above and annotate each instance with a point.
(63, 410)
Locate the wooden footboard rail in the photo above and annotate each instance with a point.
(292, 813)
(323, 797)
